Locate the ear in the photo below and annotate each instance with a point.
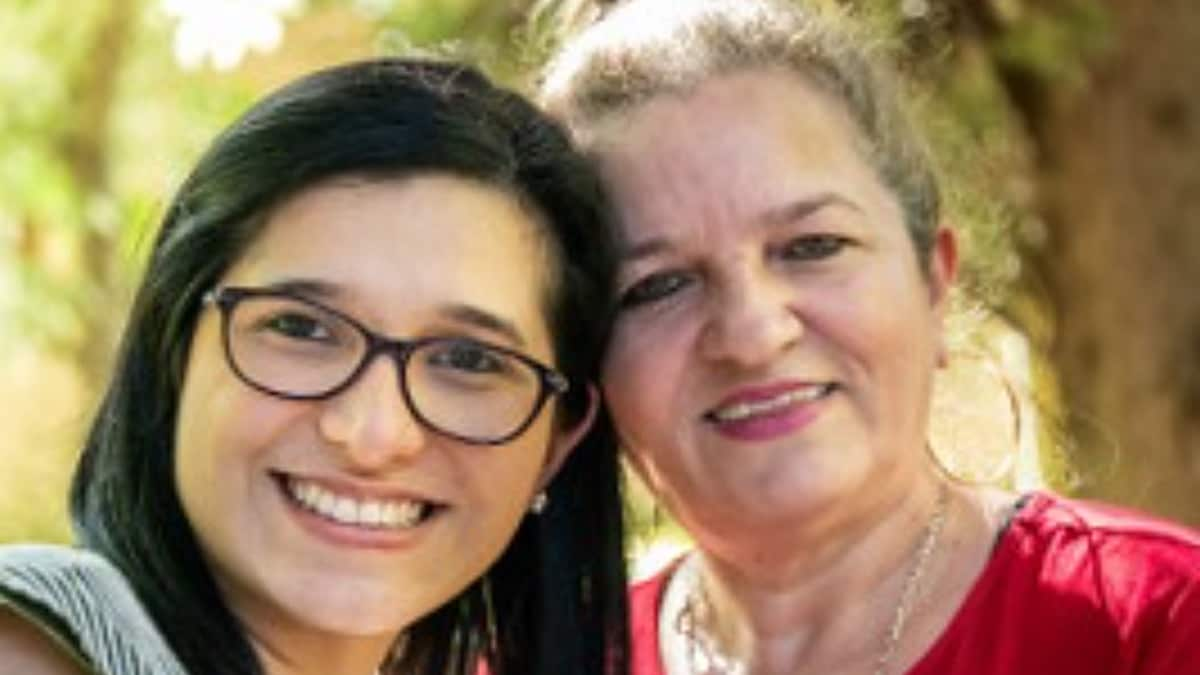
(565, 439)
(942, 272)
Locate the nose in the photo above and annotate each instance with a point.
(370, 422)
(751, 321)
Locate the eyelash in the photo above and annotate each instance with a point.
(660, 285)
(801, 248)
(297, 326)
(653, 287)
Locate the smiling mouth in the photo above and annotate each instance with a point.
(375, 514)
(744, 410)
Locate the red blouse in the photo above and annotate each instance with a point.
(1073, 588)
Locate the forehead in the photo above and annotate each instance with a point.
(403, 246)
(730, 147)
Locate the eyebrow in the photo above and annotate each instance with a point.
(802, 208)
(311, 288)
(458, 312)
(647, 248)
(484, 320)
(773, 217)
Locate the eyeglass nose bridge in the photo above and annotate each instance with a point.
(399, 351)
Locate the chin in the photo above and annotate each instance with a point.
(339, 607)
(360, 622)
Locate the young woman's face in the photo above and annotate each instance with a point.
(776, 337)
(347, 515)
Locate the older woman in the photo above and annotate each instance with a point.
(351, 429)
(784, 277)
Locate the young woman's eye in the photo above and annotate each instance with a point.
(298, 326)
(813, 247)
(469, 357)
(653, 288)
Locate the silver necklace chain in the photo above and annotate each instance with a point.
(706, 657)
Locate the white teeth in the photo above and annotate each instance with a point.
(741, 411)
(409, 512)
(389, 515)
(324, 502)
(345, 511)
(368, 513)
(372, 513)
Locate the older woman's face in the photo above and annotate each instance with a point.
(776, 338)
(346, 516)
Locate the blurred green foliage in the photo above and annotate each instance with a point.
(100, 122)
(1056, 41)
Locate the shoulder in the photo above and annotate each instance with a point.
(645, 608)
(84, 602)
(1079, 587)
(646, 596)
(19, 560)
(26, 648)
(1125, 561)
(1109, 533)
(43, 576)
(33, 640)
(57, 576)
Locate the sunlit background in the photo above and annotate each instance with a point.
(221, 32)
(107, 103)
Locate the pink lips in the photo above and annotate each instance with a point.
(769, 412)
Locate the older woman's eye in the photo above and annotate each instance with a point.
(813, 247)
(653, 288)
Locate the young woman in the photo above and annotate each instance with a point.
(785, 273)
(351, 429)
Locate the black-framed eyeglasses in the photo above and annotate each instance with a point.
(292, 347)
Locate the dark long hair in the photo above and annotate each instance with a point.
(554, 602)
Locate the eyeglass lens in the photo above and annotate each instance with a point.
(464, 387)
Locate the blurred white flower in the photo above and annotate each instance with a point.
(373, 7)
(222, 31)
(914, 9)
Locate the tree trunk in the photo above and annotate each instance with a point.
(85, 146)
(1118, 174)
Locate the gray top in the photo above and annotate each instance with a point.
(83, 602)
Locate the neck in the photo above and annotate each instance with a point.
(832, 600)
(342, 663)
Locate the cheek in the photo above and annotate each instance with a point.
(644, 379)
(502, 481)
(891, 346)
(626, 378)
(507, 475)
(223, 429)
(881, 320)
(205, 442)
(200, 423)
